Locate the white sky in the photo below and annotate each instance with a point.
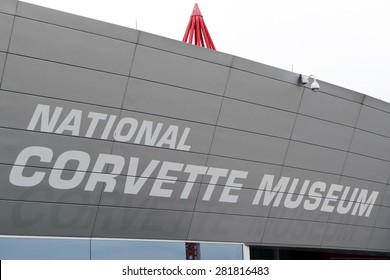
(343, 42)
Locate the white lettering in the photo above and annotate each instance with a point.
(288, 201)
(42, 112)
(108, 127)
(55, 179)
(118, 136)
(71, 123)
(317, 197)
(182, 146)
(96, 117)
(143, 132)
(215, 173)
(16, 176)
(266, 184)
(109, 179)
(341, 209)
(331, 197)
(169, 137)
(108, 167)
(164, 178)
(194, 171)
(133, 186)
(364, 204)
(146, 130)
(232, 185)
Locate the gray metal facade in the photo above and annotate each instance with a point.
(241, 115)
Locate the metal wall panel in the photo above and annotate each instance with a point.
(178, 47)
(342, 92)
(50, 79)
(344, 236)
(255, 170)
(8, 6)
(363, 184)
(323, 133)
(255, 118)
(315, 158)
(47, 219)
(64, 45)
(312, 176)
(380, 240)
(44, 192)
(6, 22)
(361, 167)
(145, 199)
(382, 220)
(176, 84)
(376, 103)
(291, 232)
(243, 205)
(2, 63)
(199, 136)
(17, 110)
(386, 197)
(250, 146)
(14, 141)
(265, 70)
(264, 91)
(226, 228)
(368, 120)
(146, 154)
(60, 18)
(349, 219)
(157, 99)
(141, 223)
(371, 145)
(156, 65)
(330, 108)
(298, 213)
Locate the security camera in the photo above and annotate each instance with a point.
(315, 86)
(304, 80)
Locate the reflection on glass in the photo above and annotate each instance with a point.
(136, 250)
(213, 251)
(42, 248)
(15, 248)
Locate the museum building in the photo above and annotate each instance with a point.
(120, 144)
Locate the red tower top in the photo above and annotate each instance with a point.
(197, 30)
(196, 11)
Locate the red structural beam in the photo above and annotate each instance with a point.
(197, 30)
(192, 251)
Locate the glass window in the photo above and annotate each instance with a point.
(136, 250)
(41, 248)
(263, 253)
(20, 248)
(213, 251)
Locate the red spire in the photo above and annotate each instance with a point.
(197, 30)
(196, 11)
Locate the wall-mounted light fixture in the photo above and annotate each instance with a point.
(304, 80)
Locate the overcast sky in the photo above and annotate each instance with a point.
(343, 42)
